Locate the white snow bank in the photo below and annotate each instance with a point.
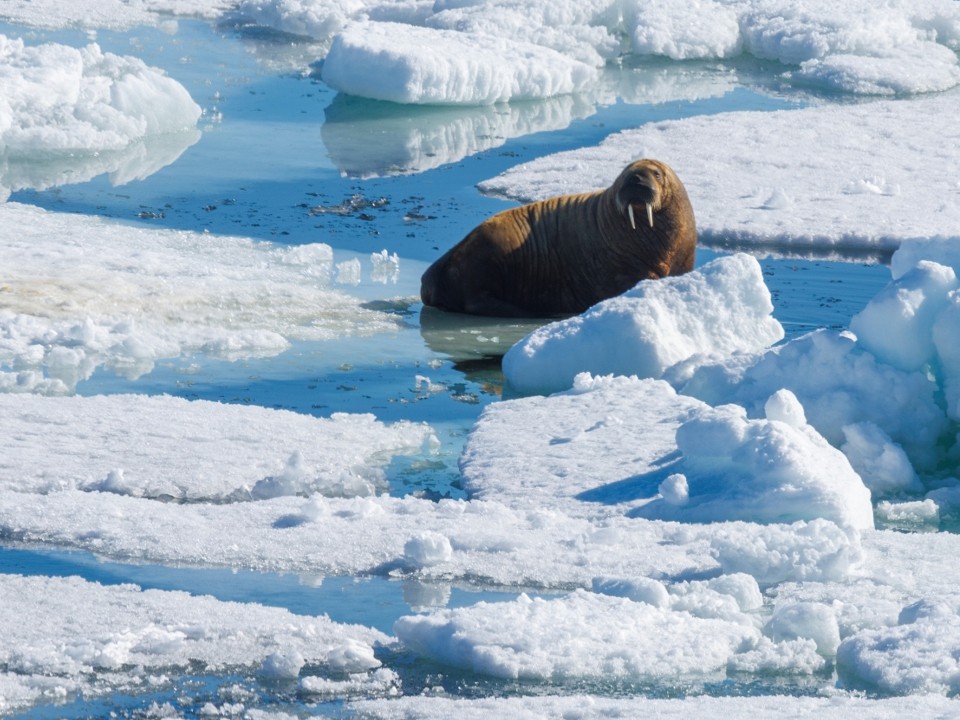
(843, 176)
(768, 470)
(721, 308)
(691, 707)
(564, 524)
(409, 64)
(695, 463)
(82, 292)
(918, 655)
(108, 14)
(855, 47)
(166, 448)
(81, 635)
(583, 635)
(59, 100)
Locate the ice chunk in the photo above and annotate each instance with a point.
(409, 64)
(815, 621)
(917, 656)
(685, 30)
(583, 635)
(881, 463)
(427, 549)
(896, 325)
(722, 308)
(839, 383)
(58, 99)
(764, 471)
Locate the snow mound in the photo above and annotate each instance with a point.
(863, 184)
(58, 99)
(722, 308)
(123, 297)
(172, 449)
(583, 635)
(759, 470)
(425, 66)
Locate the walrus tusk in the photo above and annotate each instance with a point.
(633, 223)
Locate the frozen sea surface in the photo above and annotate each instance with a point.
(246, 474)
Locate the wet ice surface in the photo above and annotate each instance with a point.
(416, 368)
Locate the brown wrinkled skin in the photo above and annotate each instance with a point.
(561, 255)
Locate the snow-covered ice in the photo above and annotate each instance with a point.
(82, 292)
(408, 64)
(710, 506)
(166, 448)
(865, 177)
(720, 308)
(387, 50)
(82, 637)
(66, 106)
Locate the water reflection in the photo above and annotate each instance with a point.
(371, 138)
(137, 161)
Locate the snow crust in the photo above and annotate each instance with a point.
(80, 293)
(722, 308)
(67, 106)
(838, 176)
(81, 636)
(898, 48)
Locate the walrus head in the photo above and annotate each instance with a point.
(642, 187)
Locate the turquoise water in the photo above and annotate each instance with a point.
(275, 147)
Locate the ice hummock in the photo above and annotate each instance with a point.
(841, 177)
(409, 64)
(856, 47)
(82, 292)
(721, 308)
(65, 107)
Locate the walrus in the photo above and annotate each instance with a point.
(559, 256)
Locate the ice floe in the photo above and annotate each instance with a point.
(721, 308)
(82, 112)
(443, 67)
(108, 14)
(83, 637)
(165, 448)
(82, 292)
(858, 47)
(839, 176)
